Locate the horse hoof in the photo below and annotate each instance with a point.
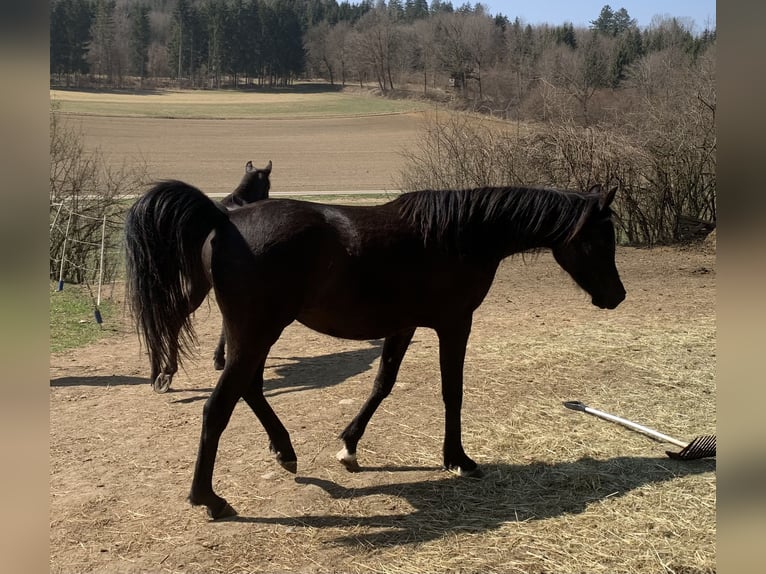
(348, 460)
(162, 383)
(474, 473)
(290, 466)
(219, 365)
(226, 512)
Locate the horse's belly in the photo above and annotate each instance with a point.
(357, 323)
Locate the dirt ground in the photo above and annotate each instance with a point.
(563, 492)
(307, 154)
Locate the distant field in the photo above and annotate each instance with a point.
(227, 104)
(320, 141)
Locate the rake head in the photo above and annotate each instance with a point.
(700, 447)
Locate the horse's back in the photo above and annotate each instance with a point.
(352, 272)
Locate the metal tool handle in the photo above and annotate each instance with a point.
(578, 406)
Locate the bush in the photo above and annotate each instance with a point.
(87, 203)
(662, 156)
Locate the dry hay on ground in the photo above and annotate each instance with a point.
(563, 492)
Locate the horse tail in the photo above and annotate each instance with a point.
(165, 231)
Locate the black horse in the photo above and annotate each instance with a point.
(254, 186)
(425, 259)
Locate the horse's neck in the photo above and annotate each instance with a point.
(506, 241)
(511, 232)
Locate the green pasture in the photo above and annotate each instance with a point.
(72, 319)
(229, 104)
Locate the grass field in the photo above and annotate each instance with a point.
(226, 104)
(72, 318)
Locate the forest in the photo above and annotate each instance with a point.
(611, 102)
(490, 62)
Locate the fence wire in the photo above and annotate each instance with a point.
(85, 248)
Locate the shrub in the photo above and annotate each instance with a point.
(87, 204)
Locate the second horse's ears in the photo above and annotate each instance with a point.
(606, 198)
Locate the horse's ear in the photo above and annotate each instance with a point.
(267, 169)
(249, 167)
(606, 198)
(596, 188)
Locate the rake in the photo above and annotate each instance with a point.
(699, 447)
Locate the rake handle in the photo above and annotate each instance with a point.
(578, 406)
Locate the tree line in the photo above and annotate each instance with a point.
(484, 58)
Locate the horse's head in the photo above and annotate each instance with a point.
(588, 254)
(255, 183)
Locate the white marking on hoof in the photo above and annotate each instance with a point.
(458, 471)
(348, 460)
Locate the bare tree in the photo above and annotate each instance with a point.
(86, 205)
(676, 127)
(338, 48)
(378, 40)
(578, 73)
(318, 52)
(453, 48)
(424, 31)
(483, 42)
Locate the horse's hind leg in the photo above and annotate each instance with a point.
(394, 348)
(279, 438)
(162, 375)
(215, 416)
(219, 356)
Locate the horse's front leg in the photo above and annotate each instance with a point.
(215, 417)
(452, 343)
(394, 348)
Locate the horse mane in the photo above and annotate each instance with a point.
(448, 217)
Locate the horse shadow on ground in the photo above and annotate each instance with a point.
(302, 373)
(295, 374)
(507, 493)
(98, 381)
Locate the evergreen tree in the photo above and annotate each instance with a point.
(623, 22)
(216, 18)
(244, 39)
(613, 23)
(565, 34)
(595, 63)
(139, 38)
(415, 10)
(102, 36)
(605, 22)
(396, 10)
(70, 24)
(628, 50)
(178, 40)
(437, 6)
